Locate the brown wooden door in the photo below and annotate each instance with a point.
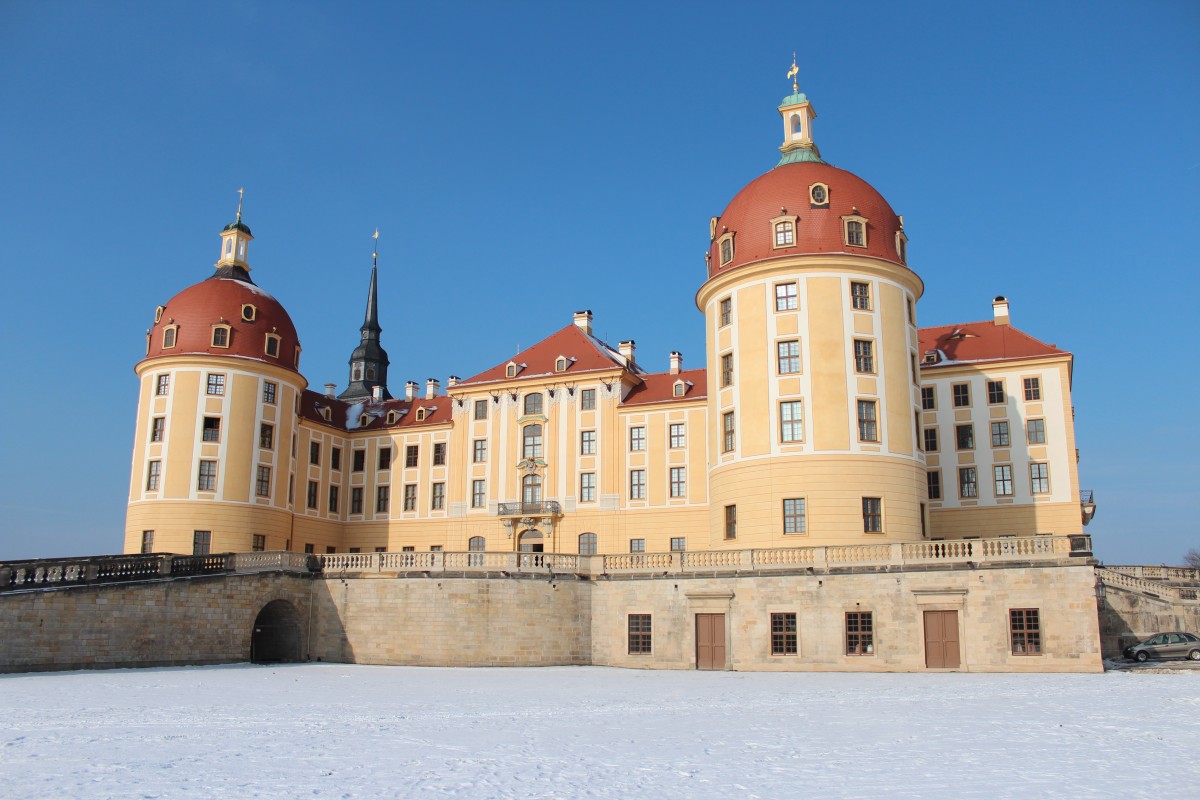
(941, 639)
(710, 641)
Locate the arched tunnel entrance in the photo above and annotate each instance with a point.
(277, 634)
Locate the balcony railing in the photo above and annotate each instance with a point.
(546, 508)
(53, 573)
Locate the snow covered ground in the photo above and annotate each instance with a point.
(335, 731)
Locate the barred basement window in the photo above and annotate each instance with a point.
(783, 634)
(860, 638)
(1026, 631)
(639, 634)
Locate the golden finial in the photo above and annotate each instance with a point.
(793, 72)
(375, 254)
(241, 192)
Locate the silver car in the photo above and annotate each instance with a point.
(1175, 644)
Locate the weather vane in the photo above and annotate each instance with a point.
(241, 193)
(793, 72)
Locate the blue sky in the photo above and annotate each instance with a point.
(524, 160)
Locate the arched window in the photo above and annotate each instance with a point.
(169, 337)
(530, 542)
(531, 489)
(587, 544)
(531, 438)
(476, 544)
(533, 403)
(560, 364)
(358, 372)
(220, 336)
(797, 125)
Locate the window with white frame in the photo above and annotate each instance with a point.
(637, 438)
(785, 296)
(678, 434)
(794, 515)
(868, 426)
(587, 443)
(791, 421)
(1002, 474)
(788, 357)
(678, 481)
(587, 487)
(478, 493)
(637, 484)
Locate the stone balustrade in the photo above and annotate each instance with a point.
(1123, 579)
(1170, 574)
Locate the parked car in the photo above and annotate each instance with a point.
(1175, 644)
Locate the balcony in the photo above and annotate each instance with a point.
(547, 508)
(1087, 505)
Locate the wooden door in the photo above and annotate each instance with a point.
(710, 641)
(941, 639)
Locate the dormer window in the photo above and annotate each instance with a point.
(169, 335)
(393, 417)
(902, 247)
(855, 229)
(296, 360)
(271, 346)
(725, 245)
(326, 413)
(220, 336)
(679, 389)
(421, 414)
(818, 195)
(511, 369)
(158, 312)
(249, 312)
(783, 231)
(560, 364)
(364, 420)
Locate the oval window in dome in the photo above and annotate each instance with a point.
(818, 194)
(249, 313)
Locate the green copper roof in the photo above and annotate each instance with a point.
(794, 99)
(800, 154)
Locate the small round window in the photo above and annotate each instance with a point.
(248, 313)
(819, 193)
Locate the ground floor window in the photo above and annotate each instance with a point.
(783, 634)
(639, 633)
(201, 543)
(860, 639)
(147, 541)
(1026, 631)
(258, 542)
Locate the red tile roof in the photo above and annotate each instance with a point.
(584, 353)
(980, 341)
(345, 416)
(660, 388)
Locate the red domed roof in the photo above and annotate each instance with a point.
(819, 229)
(223, 301)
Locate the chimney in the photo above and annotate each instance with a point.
(410, 391)
(330, 389)
(676, 362)
(626, 350)
(583, 319)
(431, 388)
(452, 381)
(377, 393)
(1000, 310)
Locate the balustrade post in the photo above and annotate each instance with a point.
(92, 571)
(6, 577)
(820, 558)
(164, 567)
(746, 559)
(896, 554)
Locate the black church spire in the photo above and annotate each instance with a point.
(369, 361)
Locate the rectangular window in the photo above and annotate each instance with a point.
(961, 392)
(995, 391)
(783, 634)
(637, 545)
(868, 430)
(587, 399)
(313, 488)
(639, 634)
(587, 487)
(308, 548)
(678, 544)
(1039, 478)
(266, 436)
(1026, 631)
(864, 356)
(860, 296)
(968, 484)
(163, 385)
(481, 409)
(785, 235)
(147, 541)
(730, 522)
(587, 443)
(727, 369)
(726, 310)
(1033, 389)
(269, 390)
(637, 438)
(637, 484)
(410, 455)
(335, 458)
(258, 543)
(382, 495)
(439, 454)
(216, 384)
(1000, 433)
(262, 482)
(479, 454)
(154, 470)
(1003, 479)
(794, 516)
(478, 493)
(928, 399)
(872, 509)
(678, 434)
(964, 437)
(788, 357)
(785, 295)
(860, 639)
(854, 233)
(933, 483)
(158, 427)
(729, 438)
(359, 461)
(207, 481)
(334, 493)
(201, 543)
(1035, 431)
(678, 481)
(931, 440)
(410, 497)
(356, 500)
(314, 453)
(438, 501)
(385, 458)
(791, 421)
